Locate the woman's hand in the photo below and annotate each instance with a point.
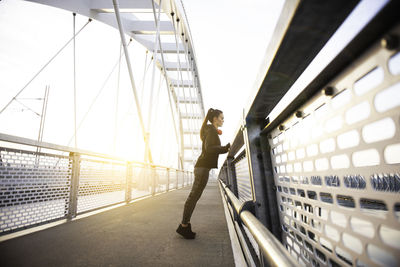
(228, 147)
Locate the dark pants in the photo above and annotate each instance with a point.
(200, 182)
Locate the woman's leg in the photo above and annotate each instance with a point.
(200, 182)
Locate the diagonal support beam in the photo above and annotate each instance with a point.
(128, 63)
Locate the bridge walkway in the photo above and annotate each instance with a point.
(138, 234)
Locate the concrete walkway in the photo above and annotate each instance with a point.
(138, 234)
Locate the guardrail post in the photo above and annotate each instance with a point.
(231, 173)
(73, 193)
(153, 180)
(251, 136)
(177, 178)
(183, 178)
(128, 189)
(167, 179)
(276, 228)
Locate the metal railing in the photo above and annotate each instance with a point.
(58, 182)
(318, 175)
(273, 250)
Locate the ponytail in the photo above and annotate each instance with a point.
(211, 113)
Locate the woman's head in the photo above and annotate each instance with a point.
(215, 116)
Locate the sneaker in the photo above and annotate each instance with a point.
(190, 228)
(186, 232)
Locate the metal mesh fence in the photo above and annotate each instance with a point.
(141, 181)
(161, 179)
(337, 169)
(173, 182)
(179, 178)
(37, 188)
(101, 183)
(243, 178)
(34, 188)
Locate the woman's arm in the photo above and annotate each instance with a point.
(212, 147)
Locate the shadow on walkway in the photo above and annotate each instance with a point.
(138, 234)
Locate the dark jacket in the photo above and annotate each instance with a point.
(210, 149)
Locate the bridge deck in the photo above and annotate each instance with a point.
(138, 234)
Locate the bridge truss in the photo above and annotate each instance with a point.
(162, 28)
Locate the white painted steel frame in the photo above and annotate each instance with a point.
(103, 10)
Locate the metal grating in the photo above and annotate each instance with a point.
(169, 174)
(37, 188)
(173, 179)
(179, 174)
(34, 188)
(141, 182)
(101, 183)
(161, 180)
(337, 168)
(243, 177)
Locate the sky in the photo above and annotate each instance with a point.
(230, 39)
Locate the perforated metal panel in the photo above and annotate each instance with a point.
(141, 182)
(101, 183)
(337, 168)
(243, 178)
(34, 188)
(173, 179)
(180, 178)
(161, 180)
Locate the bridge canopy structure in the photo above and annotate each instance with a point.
(166, 91)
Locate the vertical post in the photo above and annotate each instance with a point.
(74, 54)
(153, 180)
(231, 173)
(276, 228)
(73, 196)
(167, 179)
(251, 136)
(177, 178)
(128, 189)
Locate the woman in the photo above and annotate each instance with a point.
(208, 159)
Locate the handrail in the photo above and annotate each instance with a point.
(35, 143)
(273, 250)
(237, 204)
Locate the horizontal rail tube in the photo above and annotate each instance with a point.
(271, 247)
(35, 143)
(237, 204)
